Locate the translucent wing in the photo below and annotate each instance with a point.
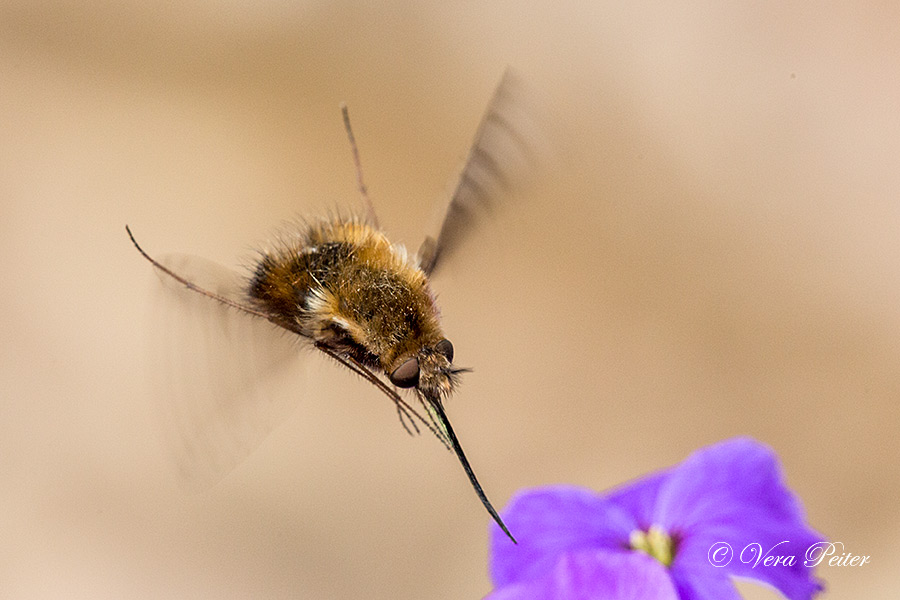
(223, 379)
(499, 158)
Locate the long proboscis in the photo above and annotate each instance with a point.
(457, 448)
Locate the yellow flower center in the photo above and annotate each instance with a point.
(654, 542)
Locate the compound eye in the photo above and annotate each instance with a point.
(446, 348)
(407, 374)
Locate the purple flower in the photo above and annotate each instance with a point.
(682, 533)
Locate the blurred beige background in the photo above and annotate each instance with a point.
(713, 251)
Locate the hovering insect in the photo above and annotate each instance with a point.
(343, 286)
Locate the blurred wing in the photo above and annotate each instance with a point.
(223, 379)
(501, 155)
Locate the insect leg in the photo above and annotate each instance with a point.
(402, 406)
(370, 208)
(403, 417)
(194, 287)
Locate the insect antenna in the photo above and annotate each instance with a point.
(194, 287)
(370, 208)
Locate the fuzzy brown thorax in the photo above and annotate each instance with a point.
(343, 284)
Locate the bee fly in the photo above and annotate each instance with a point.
(342, 285)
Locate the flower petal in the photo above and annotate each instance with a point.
(721, 481)
(595, 575)
(771, 552)
(551, 521)
(734, 493)
(638, 497)
(692, 587)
